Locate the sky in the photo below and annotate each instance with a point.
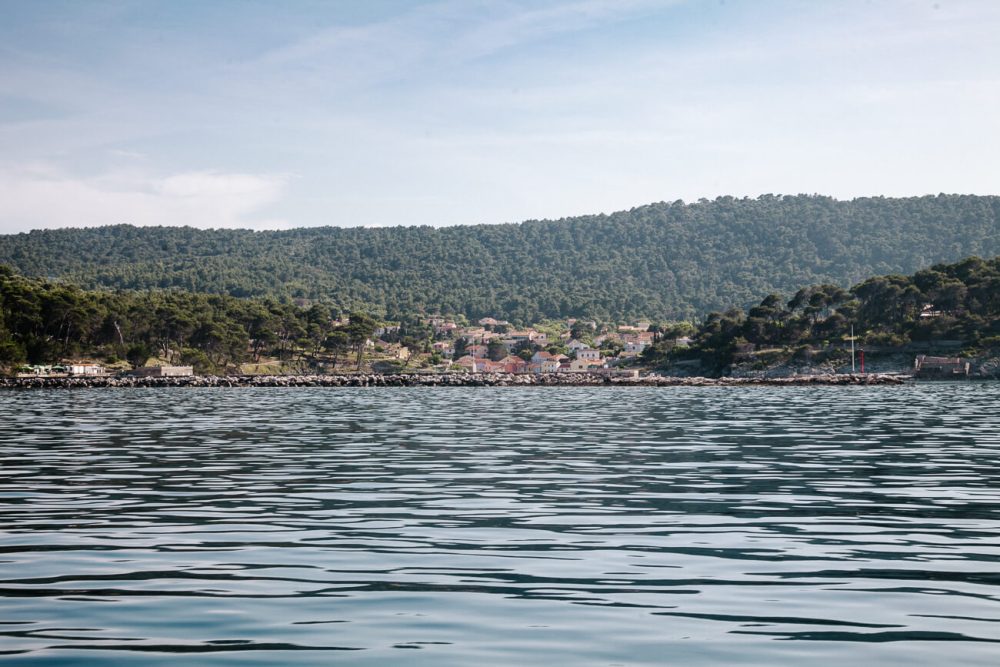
(264, 115)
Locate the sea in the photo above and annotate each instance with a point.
(501, 526)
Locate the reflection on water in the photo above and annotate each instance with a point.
(501, 526)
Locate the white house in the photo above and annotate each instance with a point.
(635, 346)
(84, 369)
(541, 356)
(550, 365)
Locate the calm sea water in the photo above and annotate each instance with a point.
(521, 526)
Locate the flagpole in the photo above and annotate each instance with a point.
(852, 348)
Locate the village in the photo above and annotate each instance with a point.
(489, 345)
(496, 346)
(452, 346)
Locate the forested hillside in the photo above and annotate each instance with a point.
(663, 261)
(42, 321)
(948, 302)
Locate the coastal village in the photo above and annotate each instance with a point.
(489, 345)
(496, 346)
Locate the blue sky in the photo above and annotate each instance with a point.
(251, 114)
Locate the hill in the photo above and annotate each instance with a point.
(663, 261)
(947, 306)
(42, 321)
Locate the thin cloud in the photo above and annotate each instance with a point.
(456, 111)
(536, 24)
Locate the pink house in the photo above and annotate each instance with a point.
(512, 364)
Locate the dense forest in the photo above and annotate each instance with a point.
(957, 303)
(43, 321)
(663, 261)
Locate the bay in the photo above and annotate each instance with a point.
(501, 526)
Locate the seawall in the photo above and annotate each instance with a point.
(442, 380)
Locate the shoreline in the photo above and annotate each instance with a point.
(445, 380)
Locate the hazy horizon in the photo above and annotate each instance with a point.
(498, 223)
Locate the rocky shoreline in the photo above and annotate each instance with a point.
(443, 380)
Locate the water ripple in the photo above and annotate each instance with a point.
(502, 526)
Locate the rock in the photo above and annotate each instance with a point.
(450, 380)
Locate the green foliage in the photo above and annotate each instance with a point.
(666, 260)
(44, 321)
(198, 359)
(956, 303)
(496, 350)
(359, 329)
(138, 353)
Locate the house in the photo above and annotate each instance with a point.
(647, 336)
(514, 339)
(476, 334)
(470, 363)
(512, 364)
(550, 365)
(588, 354)
(476, 365)
(445, 328)
(584, 365)
(941, 368)
(635, 347)
(540, 356)
(929, 311)
(487, 366)
(575, 345)
(41, 371)
(89, 370)
(444, 348)
(161, 371)
(478, 351)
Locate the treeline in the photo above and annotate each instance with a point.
(948, 302)
(662, 261)
(44, 321)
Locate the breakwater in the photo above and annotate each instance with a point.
(441, 379)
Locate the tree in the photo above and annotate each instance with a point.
(359, 329)
(496, 350)
(137, 354)
(336, 343)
